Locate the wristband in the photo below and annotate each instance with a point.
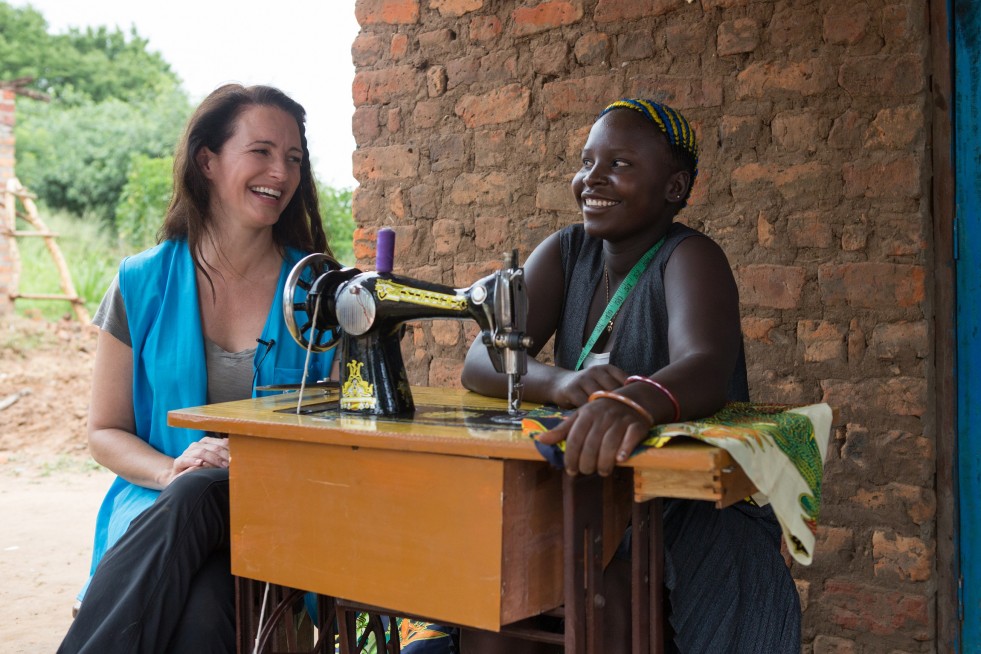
(622, 399)
(668, 394)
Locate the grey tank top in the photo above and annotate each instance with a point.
(643, 348)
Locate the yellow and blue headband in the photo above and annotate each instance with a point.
(670, 121)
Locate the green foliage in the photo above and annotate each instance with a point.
(335, 207)
(91, 65)
(92, 256)
(144, 199)
(77, 157)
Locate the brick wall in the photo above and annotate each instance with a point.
(6, 172)
(813, 120)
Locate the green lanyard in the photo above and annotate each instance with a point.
(617, 300)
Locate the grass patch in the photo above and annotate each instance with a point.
(92, 255)
(68, 463)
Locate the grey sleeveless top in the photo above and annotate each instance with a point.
(644, 349)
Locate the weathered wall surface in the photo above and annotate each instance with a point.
(813, 121)
(6, 172)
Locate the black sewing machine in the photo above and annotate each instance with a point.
(325, 304)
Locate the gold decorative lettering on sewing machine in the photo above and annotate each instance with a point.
(356, 393)
(389, 290)
(325, 304)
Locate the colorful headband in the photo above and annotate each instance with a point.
(670, 121)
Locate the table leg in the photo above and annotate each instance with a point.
(647, 577)
(582, 506)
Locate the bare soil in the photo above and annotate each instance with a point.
(50, 488)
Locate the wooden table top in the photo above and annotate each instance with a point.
(684, 468)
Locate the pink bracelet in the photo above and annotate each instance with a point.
(623, 399)
(668, 394)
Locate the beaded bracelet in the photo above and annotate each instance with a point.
(668, 394)
(623, 399)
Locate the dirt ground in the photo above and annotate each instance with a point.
(50, 488)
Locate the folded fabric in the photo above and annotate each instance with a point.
(780, 448)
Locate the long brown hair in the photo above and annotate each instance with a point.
(212, 124)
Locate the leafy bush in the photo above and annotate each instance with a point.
(335, 207)
(144, 199)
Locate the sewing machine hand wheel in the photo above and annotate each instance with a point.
(298, 315)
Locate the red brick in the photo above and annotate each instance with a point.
(383, 86)
(389, 12)
(758, 329)
(366, 124)
(901, 557)
(685, 40)
(498, 106)
(805, 181)
(555, 196)
(872, 285)
(848, 130)
(499, 67)
(446, 332)
(592, 48)
(546, 16)
(809, 229)
(586, 95)
(766, 285)
(737, 36)
(436, 40)
(436, 81)
(368, 49)
(794, 29)
(846, 24)
(737, 131)
(799, 131)
(879, 455)
(680, 92)
(900, 234)
(632, 46)
(804, 591)
(364, 244)
(395, 203)
(898, 23)
(551, 59)
(490, 148)
(399, 46)
(447, 152)
(447, 235)
(883, 75)
(389, 162)
(896, 128)
(834, 645)
(810, 77)
(493, 188)
(618, 11)
(455, 8)
(832, 544)
(822, 341)
(394, 122)
(428, 114)
(462, 72)
(485, 28)
(901, 340)
(445, 372)
(424, 200)
(466, 274)
(491, 232)
(856, 342)
(875, 610)
(782, 389)
(898, 396)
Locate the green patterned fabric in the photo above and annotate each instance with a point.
(780, 448)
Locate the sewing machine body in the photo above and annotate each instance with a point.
(365, 312)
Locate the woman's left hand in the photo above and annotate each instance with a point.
(598, 436)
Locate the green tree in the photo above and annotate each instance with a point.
(335, 207)
(94, 64)
(144, 200)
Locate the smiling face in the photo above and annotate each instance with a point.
(630, 184)
(257, 170)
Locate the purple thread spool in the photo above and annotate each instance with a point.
(385, 250)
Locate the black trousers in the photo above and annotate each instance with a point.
(166, 585)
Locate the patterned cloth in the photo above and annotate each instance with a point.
(780, 448)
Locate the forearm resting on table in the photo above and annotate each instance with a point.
(479, 376)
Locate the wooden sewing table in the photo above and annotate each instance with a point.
(441, 517)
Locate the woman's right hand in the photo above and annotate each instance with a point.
(571, 389)
(209, 452)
